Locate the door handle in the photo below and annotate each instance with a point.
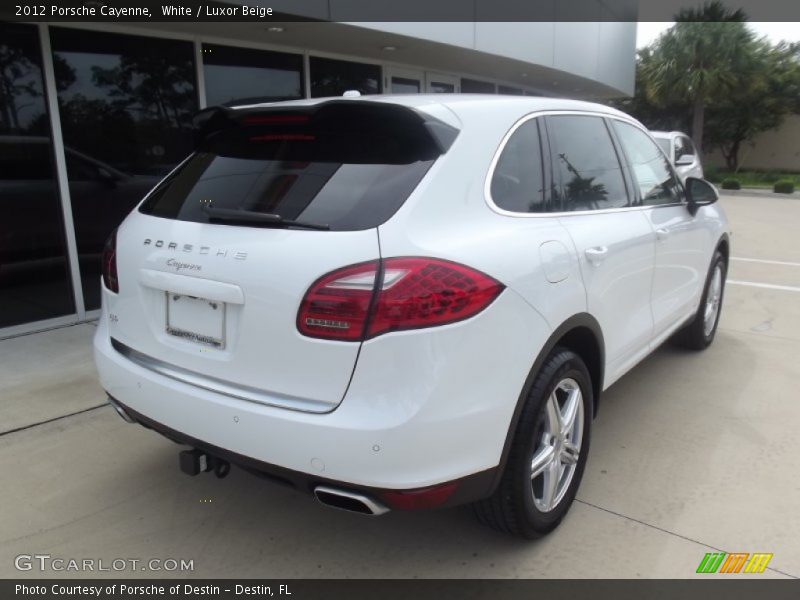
(662, 234)
(596, 255)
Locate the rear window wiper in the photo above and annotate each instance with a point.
(250, 218)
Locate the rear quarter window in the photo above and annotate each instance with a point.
(518, 178)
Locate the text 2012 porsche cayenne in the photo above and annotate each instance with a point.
(406, 302)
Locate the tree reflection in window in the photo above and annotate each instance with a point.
(34, 282)
(583, 191)
(587, 172)
(126, 104)
(125, 99)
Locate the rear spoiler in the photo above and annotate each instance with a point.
(405, 120)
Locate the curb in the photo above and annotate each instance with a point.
(759, 192)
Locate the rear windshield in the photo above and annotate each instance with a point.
(344, 173)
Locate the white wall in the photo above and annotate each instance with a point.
(601, 50)
(778, 149)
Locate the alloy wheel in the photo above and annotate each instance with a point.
(713, 299)
(560, 435)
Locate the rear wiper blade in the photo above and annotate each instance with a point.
(246, 217)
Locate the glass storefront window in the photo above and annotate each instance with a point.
(34, 273)
(441, 87)
(509, 91)
(404, 85)
(473, 86)
(331, 77)
(126, 104)
(244, 76)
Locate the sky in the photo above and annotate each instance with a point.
(648, 32)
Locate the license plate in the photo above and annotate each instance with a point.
(196, 319)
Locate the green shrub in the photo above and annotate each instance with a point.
(712, 174)
(730, 183)
(784, 186)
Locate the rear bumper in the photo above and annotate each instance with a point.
(423, 408)
(467, 489)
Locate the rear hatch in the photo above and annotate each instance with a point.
(214, 264)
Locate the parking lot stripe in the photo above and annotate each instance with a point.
(669, 532)
(770, 286)
(768, 262)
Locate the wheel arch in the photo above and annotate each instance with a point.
(724, 246)
(582, 334)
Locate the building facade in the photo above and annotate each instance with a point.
(774, 150)
(92, 116)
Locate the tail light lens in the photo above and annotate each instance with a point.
(422, 499)
(110, 279)
(366, 300)
(336, 306)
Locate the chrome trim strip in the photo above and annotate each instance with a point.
(487, 185)
(374, 506)
(212, 384)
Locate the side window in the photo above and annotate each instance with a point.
(585, 165)
(652, 172)
(680, 148)
(517, 182)
(683, 146)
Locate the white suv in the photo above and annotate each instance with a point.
(681, 151)
(406, 302)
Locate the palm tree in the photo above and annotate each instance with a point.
(700, 59)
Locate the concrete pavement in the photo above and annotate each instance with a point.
(691, 453)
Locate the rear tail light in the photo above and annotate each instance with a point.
(110, 279)
(336, 306)
(366, 300)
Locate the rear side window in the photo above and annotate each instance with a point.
(586, 168)
(651, 170)
(517, 181)
(346, 173)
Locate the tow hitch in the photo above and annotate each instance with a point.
(193, 462)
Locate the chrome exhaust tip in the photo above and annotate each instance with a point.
(349, 501)
(121, 411)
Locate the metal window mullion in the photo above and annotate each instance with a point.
(200, 75)
(61, 169)
(307, 74)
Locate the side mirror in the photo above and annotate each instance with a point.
(699, 193)
(685, 159)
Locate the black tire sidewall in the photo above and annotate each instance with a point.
(699, 319)
(562, 364)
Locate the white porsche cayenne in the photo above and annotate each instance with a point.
(406, 302)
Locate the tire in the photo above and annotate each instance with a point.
(519, 504)
(700, 332)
